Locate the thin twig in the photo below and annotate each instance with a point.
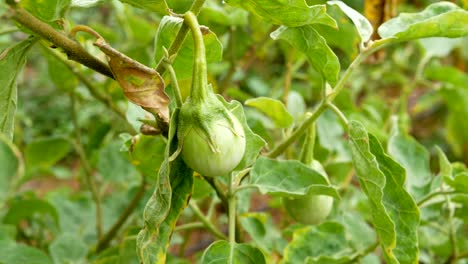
(206, 222)
(432, 195)
(105, 240)
(189, 226)
(90, 181)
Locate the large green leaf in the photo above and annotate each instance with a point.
(307, 40)
(21, 254)
(45, 152)
(443, 19)
(265, 235)
(273, 108)
(114, 166)
(291, 13)
(12, 61)
(220, 252)
(68, 248)
(12, 166)
(290, 178)
(325, 243)
(25, 208)
(413, 157)
(447, 74)
(394, 212)
(47, 10)
(456, 99)
(173, 190)
(158, 6)
(363, 25)
(147, 154)
(183, 63)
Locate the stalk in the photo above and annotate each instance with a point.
(199, 91)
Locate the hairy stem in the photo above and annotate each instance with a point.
(72, 48)
(199, 90)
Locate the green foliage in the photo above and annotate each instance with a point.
(366, 151)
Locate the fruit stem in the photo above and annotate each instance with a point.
(199, 90)
(307, 152)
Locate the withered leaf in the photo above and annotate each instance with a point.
(141, 85)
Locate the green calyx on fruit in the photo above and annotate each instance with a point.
(211, 138)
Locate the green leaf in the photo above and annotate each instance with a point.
(114, 166)
(47, 10)
(253, 142)
(68, 248)
(12, 166)
(85, 3)
(363, 25)
(216, 12)
(394, 212)
(325, 243)
(439, 47)
(220, 253)
(12, 61)
(413, 157)
(307, 40)
(158, 6)
(59, 74)
(273, 108)
(346, 38)
(456, 100)
(443, 19)
(183, 63)
(45, 152)
(263, 232)
(289, 178)
(447, 74)
(173, 190)
(147, 154)
(25, 208)
(21, 254)
(291, 13)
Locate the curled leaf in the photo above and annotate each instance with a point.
(141, 85)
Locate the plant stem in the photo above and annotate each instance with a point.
(432, 195)
(93, 90)
(90, 181)
(199, 90)
(307, 152)
(206, 222)
(232, 217)
(189, 226)
(180, 37)
(329, 98)
(298, 132)
(340, 114)
(8, 31)
(175, 84)
(72, 48)
(104, 241)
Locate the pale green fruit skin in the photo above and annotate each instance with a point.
(229, 140)
(310, 209)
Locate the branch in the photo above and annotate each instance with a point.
(72, 48)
